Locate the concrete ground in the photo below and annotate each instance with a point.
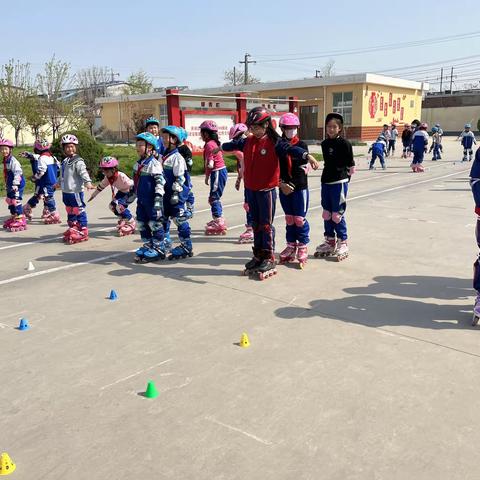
(364, 369)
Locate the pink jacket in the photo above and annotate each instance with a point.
(213, 161)
(123, 183)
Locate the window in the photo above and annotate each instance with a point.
(163, 117)
(342, 104)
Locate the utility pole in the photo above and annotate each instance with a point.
(317, 74)
(246, 61)
(451, 81)
(441, 79)
(234, 76)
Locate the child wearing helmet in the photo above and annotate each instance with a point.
(45, 173)
(152, 125)
(73, 178)
(475, 186)
(406, 140)
(148, 184)
(387, 135)
(392, 140)
(176, 191)
(293, 191)
(436, 144)
(467, 139)
(14, 185)
(238, 131)
(122, 194)
(379, 150)
(419, 147)
(216, 174)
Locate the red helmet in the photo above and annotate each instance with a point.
(258, 115)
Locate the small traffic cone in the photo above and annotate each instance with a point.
(6, 465)
(23, 325)
(30, 267)
(151, 391)
(113, 295)
(244, 341)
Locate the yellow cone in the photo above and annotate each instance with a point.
(6, 465)
(244, 341)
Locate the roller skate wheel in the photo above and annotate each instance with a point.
(301, 265)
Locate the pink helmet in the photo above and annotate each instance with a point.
(209, 125)
(108, 162)
(237, 129)
(423, 126)
(289, 120)
(66, 139)
(41, 144)
(4, 142)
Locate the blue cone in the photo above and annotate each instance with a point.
(113, 295)
(23, 324)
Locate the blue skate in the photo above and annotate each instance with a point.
(183, 250)
(167, 242)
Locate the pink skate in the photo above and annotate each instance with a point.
(76, 234)
(126, 227)
(420, 168)
(342, 250)
(18, 224)
(218, 227)
(247, 235)
(326, 249)
(27, 211)
(302, 255)
(288, 254)
(8, 222)
(476, 311)
(51, 218)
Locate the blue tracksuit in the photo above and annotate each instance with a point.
(419, 145)
(218, 180)
(378, 150)
(45, 172)
(468, 140)
(475, 185)
(13, 174)
(149, 184)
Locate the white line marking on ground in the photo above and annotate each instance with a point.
(120, 380)
(235, 429)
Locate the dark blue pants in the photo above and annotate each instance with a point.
(261, 205)
(119, 206)
(334, 203)
(295, 207)
(149, 222)
(418, 156)
(75, 206)
(374, 157)
(14, 200)
(48, 192)
(247, 209)
(178, 214)
(218, 180)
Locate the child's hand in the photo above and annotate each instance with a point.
(89, 186)
(216, 150)
(238, 183)
(206, 180)
(25, 154)
(351, 170)
(33, 179)
(313, 162)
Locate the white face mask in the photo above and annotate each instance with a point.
(290, 133)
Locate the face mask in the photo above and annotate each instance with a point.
(290, 133)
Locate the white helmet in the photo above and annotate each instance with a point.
(66, 139)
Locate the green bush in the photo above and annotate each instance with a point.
(88, 148)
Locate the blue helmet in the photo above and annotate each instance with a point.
(468, 125)
(148, 138)
(152, 121)
(434, 129)
(174, 131)
(184, 134)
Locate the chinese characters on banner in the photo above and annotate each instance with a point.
(192, 126)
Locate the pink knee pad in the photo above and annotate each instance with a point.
(69, 210)
(299, 221)
(336, 217)
(11, 201)
(246, 207)
(290, 219)
(120, 208)
(112, 206)
(326, 215)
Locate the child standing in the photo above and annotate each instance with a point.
(392, 140)
(467, 139)
(436, 144)
(378, 149)
(176, 191)
(186, 153)
(215, 174)
(294, 195)
(14, 185)
(152, 125)
(339, 166)
(419, 147)
(475, 186)
(386, 134)
(406, 139)
(149, 181)
(45, 172)
(74, 176)
(122, 194)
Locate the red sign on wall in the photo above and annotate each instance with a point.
(390, 97)
(373, 105)
(385, 111)
(394, 107)
(398, 103)
(381, 102)
(401, 114)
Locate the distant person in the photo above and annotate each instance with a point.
(467, 139)
(436, 144)
(392, 140)
(406, 140)
(379, 150)
(387, 135)
(419, 147)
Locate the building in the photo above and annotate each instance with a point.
(367, 101)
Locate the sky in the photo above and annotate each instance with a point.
(193, 42)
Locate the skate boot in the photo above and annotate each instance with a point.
(51, 218)
(288, 254)
(8, 222)
(189, 210)
(18, 223)
(341, 253)
(126, 227)
(476, 311)
(247, 235)
(371, 167)
(76, 234)
(251, 265)
(218, 227)
(420, 168)
(140, 252)
(167, 242)
(45, 212)
(267, 267)
(302, 255)
(384, 167)
(183, 250)
(325, 249)
(155, 251)
(27, 211)
(413, 166)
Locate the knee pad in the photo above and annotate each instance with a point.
(113, 207)
(267, 228)
(11, 201)
(326, 215)
(69, 210)
(477, 211)
(337, 217)
(290, 219)
(155, 225)
(180, 220)
(299, 221)
(246, 207)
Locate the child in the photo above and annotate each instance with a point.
(237, 132)
(45, 172)
(339, 166)
(74, 176)
(386, 134)
(294, 196)
(176, 191)
(186, 153)
(436, 144)
(419, 147)
(216, 174)
(392, 140)
(14, 185)
(121, 198)
(149, 181)
(467, 140)
(475, 186)
(152, 125)
(378, 149)
(406, 139)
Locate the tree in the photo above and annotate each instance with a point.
(35, 115)
(15, 90)
(328, 69)
(236, 77)
(138, 83)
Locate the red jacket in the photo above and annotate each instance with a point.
(262, 168)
